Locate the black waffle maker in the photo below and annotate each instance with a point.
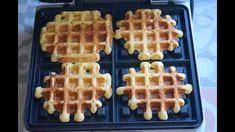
(115, 113)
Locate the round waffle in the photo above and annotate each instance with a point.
(77, 36)
(148, 33)
(153, 89)
(77, 88)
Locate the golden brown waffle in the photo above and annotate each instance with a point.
(77, 36)
(148, 33)
(78, 87)
(154, 89)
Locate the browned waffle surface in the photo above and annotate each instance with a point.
(154, 89)
(77, 36)
(77, 88)
(148, 33)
